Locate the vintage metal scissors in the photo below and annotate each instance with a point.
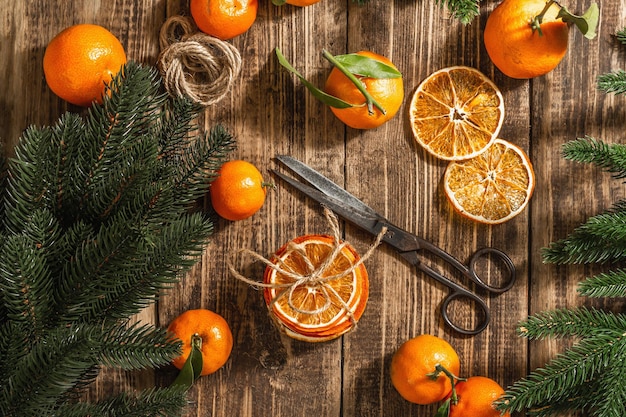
(409, 246)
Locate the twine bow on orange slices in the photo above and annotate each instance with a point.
(294, 282)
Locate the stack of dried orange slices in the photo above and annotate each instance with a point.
(456, 114)
(316, 288)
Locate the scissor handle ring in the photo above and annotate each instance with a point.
(482, 325)
(501, 256)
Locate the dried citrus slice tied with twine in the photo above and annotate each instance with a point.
(316, 286)
(456, 113)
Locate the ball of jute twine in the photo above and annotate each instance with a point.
(196, 65)
(314, 275)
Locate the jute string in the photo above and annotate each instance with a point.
(195, 64)
(314, 275)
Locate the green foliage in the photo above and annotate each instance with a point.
(590, 375)
(621, 36)
(97, 220)
(615, 81)
(463, 10)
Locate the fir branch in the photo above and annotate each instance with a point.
(607, 284)
(97, 222)
(138, 347)
(588, 243)
(621, 36)
(195, 170)
(463, 10)
(613, 82)
(25, 279)
(50, 369)
(610, 157)
(562, 378)
(579, 322)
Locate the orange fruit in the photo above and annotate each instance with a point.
(456, 113)
(518, 50)
(224, 19)
(214, 332)
(412, 363)
(80, 60)
(492, 187)
(316, 304)
(388, 92)
(238, 191)
(475, 397)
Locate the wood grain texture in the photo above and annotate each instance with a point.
(269, 112)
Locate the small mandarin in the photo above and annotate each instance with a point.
(414, 360)
(518, 50)
(215, 333)
(80, 60)
(475, 398)
(239, 191)
(224, 19)
(388, 92)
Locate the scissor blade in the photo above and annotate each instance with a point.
(324, 185)
(344, 209)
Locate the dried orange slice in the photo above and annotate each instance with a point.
(456, 113)
(320, 289)
(493, 187)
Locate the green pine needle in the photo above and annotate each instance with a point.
(578, 322)
(621, 36)
(610, 157)
(464, 10)
(608, 284)
(613, 82)
(567, 376)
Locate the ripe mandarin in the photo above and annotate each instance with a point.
(388, 92)
(80, 60)
(214, 332)
(476, 396)
(224, 19)
(518, 50)
(412, 363)
(239, 191)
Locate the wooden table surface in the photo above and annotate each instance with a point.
(270, 113)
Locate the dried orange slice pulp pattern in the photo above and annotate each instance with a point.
(492, 187)
(456, 113)
(317, 294)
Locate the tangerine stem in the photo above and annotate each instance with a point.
(536, 21)
(369, 100)
(196, 341)
(439, 368)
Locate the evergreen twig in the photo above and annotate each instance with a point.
(463, 10)
(613, 82)
(95, 224)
